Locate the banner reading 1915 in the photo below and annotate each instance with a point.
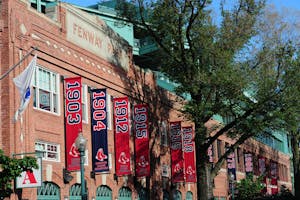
(73, 120)
(142, 162)
(176, 152)
(189, 155)
(121, 123)
(99, 130)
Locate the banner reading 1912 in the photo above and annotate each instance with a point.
(189, 155)
(142, 162)
(73, 120)
(176, 152)
(99, 130)
(121, 123)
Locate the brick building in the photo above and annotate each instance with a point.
(72, 42)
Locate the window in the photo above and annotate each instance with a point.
(163, 133)
(46, 90)
(84, 104)
(49, 151)
(108, 111)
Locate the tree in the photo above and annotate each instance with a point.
(249, 188)
(223, 70)
(280, 28)
(11, 168)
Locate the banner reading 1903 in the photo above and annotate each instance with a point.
(142, 162)
(73, 120)
(121, 123)
(99, 130)
(176, 152)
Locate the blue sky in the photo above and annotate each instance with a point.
(290, 4)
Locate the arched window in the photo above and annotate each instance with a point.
(75, 192)
(176, 195)
(166, 195)
(189, 195)
(103, 192)
(124, 193)
(47, 191)
(143, 194)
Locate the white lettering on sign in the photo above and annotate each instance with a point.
(84, 31)
(30, 178)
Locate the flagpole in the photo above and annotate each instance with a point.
(15, 65)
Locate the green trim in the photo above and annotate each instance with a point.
(103, 192)
(48, 191)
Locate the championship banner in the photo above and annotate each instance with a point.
(231, 166)
(262, 172)
(121, 123)
(142, 162)
(99, 130)
(248, 160)
(273, 177)
(231, 171)
(189, 155)
(73, 121)
(210, 153)
(176, 152)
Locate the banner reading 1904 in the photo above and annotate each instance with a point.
(142, 162)
(99, 130)
(73, 120)
(121, 123)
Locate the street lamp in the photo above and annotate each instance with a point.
(80, 144)
(231, 177)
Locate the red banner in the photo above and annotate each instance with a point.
(121, 123)
(73, 120)
(176, 152)
(142, 162)
(189, 155)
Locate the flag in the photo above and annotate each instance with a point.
(23, 83)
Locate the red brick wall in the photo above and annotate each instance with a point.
(58, 55)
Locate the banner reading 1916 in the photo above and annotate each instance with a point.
(142, 162)
(73, 120)
(189, 155)
(121, 123)
(99, 130)
(176, 152)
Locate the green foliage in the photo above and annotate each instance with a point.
(11, 168)
(249, 188)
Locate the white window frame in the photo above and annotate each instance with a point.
(52, 92)
(84, 103)
(109, 113)
(45, 151)
(86, 157)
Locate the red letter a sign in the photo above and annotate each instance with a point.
(29, 178)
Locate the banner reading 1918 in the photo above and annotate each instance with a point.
(121, 123)
(189, 155)
(142, 162)
(73, 120)
(99, 130)
(176, 152)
